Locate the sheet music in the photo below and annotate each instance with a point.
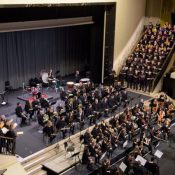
(123, 167)
(4, 130)
(20, 133)
(158, 153)
(103, 156)
(141, 159)
(125, 144)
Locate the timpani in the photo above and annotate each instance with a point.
(70, 86)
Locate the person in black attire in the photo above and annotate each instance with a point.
(20, 114)
(80, 117)
(44, 103)
(149, 79)
(142, 80)
(136, 79)
(29, 109)
(11, 144)
(138, 169)
(152, 167)
(130, 77)
(49, 131)
(77, 76)
(1, 134)
(61, 124)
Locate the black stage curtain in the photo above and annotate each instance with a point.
(24, 54)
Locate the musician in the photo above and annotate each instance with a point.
(80, 117)
(50, 75)
(138, 168)
(63, 94)
(49, 131)
(152, 166)
(160, 117)
(96, 106)
(61, 124)
(1, 134)
(11, 144)
(105, 104)
(35, 104)
(44, 103)
(88, 87)
(20, 113)
(147, 143)
(105, 166)
(118, 86)
(77, 76)
(29, 109)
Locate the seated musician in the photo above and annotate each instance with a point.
(29, 108)
(152, 166)
(50, 78)
(80, 117)
(20, 113)
(105, 165)
(44, 103)
(35, 104)
(160, 117)
(50, 75)
(49, 131)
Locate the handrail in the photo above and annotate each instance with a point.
(7, 145)
(164, 66)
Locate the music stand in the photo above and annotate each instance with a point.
(2, 171)
(76, 155)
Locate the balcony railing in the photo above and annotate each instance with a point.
(163, 69)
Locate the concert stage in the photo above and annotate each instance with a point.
(29, 97)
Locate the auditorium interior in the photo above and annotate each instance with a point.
(87, 87)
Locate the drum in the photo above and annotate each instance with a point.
(77, 85)
(70, 86)
(45, 77)
(85, 80)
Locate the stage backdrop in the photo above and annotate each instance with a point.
(24, 54)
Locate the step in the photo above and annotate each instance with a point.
(37, 167)
(39, 160)
(41, 172)
(34, 170)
